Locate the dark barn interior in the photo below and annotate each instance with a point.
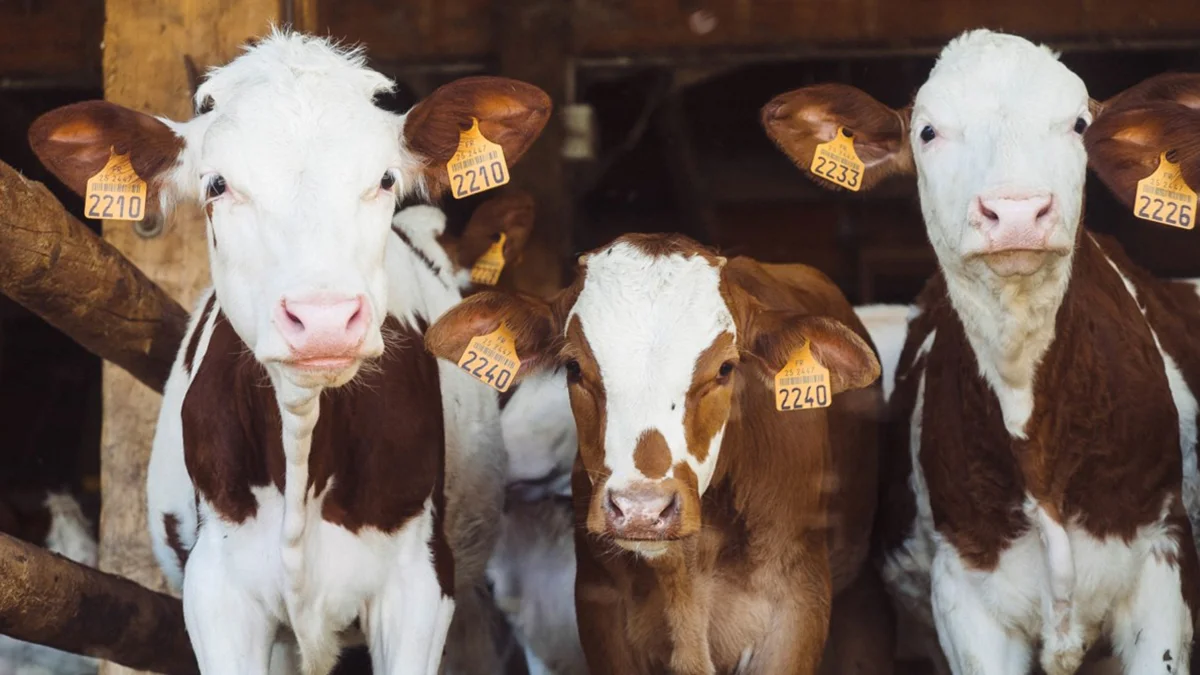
(669, 94)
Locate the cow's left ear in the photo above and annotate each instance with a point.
(510, 213)
(1126, 144)
(775, 335)
(510, 113)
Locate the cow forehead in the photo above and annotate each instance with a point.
(982, 75)
(648, 317)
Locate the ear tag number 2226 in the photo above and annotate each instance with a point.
(802, 383)
(837, 162)
(1164, 197)
(116, 192)
(477, 165)
(492, 358)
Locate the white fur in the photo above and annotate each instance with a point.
(69, 536)
(539, 428)
(888, 327)
(644, 315)
(300, 218)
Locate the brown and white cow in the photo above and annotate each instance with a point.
(702, 512)
(285, 504)
(1045, 398)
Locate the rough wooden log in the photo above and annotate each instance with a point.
(60, 270)
(50, 600)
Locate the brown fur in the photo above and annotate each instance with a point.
(384, 470)
(652, 456)
(1125, 145)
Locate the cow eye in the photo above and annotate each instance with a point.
(927, 134)
(216, 187)
(726, 370)
(388, 181)
(573, 371)
(1080, 125)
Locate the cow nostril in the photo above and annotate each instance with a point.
(668, 514)
(988, 213)
(293, 319)
(355, 316)
(612, 507)
(1044, 210)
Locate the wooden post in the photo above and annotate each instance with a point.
(534, 42)
(145, 42)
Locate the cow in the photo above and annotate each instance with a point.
(1045, 397)
(313, 468)
(888, 326)
(703, 514)
(54, 520)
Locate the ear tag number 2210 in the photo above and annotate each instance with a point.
(492, 358)
(478, 164)
(116, 192)
(802, 383)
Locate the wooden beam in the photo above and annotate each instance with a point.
(145, 42)
(57, 268)
(50, 600)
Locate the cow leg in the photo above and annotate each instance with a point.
(861, 629)
(406, 624)
(1152, 630)
(231, 632)
(974, 640)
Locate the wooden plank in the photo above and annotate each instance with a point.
(144, 68)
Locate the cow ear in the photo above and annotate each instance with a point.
(1179, 88)
(510, 113)
(75, 142)
(776, 335)
(510, 213)
(530, 320)
(1126, 144)
(800, 120)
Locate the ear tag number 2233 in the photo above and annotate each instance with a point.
(492, 358)
(478, 164)
(837, 162)
(116, 192)
(802, 383)
(1164, 197)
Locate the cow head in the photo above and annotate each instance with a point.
(298, 172)
(995, 137)
(656, 340)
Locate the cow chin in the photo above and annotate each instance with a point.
(1019, 262)
(328, 372)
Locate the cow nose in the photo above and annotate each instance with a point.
(322, 326)
(642, 512)
(1014, 213)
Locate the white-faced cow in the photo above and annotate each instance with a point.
(280, 498)
(1046, 387)
(702, 512)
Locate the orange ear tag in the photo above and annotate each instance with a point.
(489, 266)
(116, 192)
(492, 358)
(837, 162)
(802, 383)
(477, 166)
(1164, 197)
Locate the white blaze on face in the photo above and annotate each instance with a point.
(295, 137)
(1002, 113)
(647, 319)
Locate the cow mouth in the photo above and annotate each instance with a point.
(322, 363)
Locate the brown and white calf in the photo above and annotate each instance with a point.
(702, 512)
(281, 500)
(1045, 400)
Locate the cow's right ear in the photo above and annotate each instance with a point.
(800, 120)
(510, 213)
(75, 142)
(530, 319)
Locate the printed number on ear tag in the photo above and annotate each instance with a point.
(1164, 197)
(802, 383)
(492, 358)
(489, 266)
(116, 192)
(837, 162)
(478, 164)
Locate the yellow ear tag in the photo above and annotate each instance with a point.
(477, 166)
(489, 266)
(116, 192)
(1164, 197)
(837, 162)
(802, 383)
(492, 358)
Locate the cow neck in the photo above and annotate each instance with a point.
(1010, 323)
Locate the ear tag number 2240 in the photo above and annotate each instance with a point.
(492, 358)
(478, 164)
(802, 383)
